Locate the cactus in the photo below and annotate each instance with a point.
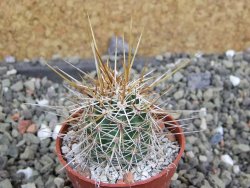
(116, 125)
(121, 133)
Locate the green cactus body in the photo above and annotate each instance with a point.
(120, 135)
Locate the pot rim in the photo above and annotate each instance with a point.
(164, 172)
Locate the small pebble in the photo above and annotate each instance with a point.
(32, 128)
(234, 80)
(23, 126)
(230, 53)
(159, 58)
(43, 102)
(10, 59)
(227, 159)
(28, 185)
(236, 169)
(128, 178)
(203, 158)
(203, 124)
(145, 173)
(18, 86)
(219, 130)
(203, 112)
(5, 184)
(11, 72)
(28, 172)
(174, 177)
(44, 132)
(190, 154)
(216, 138)
(59, 182)
(56, 131)
(171, 137)
(65, 149)
(15, 116)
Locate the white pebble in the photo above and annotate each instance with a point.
(136, 177)
(236, 169)
(230, 53)
(203, 158)
(152, 164)
(43, 102)
(219, 130)
(227, 159)
(170, 65)
(203, 112)
(234, 80)
(44, 132)
(56, 131)
(198, 54)
(10, 59)
(115, 175)
(190, 154)
(103, 178)
(26, 60)
(28, 185)
(65, 149)
(59, 182)
(56, 56)
(75, 148)
(164, 139)
(174, 177)
(145, 173)
(11, 72)
(161, 160)
(212, 63)
(203, 124)
(143, 178)
(159, 57)
(148, 169)
(27, 172)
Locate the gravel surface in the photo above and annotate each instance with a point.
(151, 165)
(215, 84)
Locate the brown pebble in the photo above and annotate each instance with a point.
(15, 117)
(170, 136)
(23, 125)
(214, 170)
(85, 172)
(128, 177)
(32, 128)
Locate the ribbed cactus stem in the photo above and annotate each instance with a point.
(118, 134)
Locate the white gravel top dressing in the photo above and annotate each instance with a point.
(150, 166)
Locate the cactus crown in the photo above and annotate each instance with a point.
(117, 119)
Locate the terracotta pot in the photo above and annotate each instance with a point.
(161, 180)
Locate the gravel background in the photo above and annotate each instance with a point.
(216, 157)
